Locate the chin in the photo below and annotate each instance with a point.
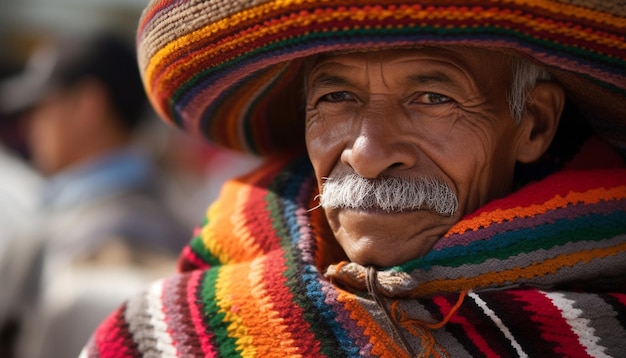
(380, 252)
(388, 240)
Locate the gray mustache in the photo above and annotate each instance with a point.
(390, 194)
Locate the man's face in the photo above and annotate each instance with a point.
(438, 113)
(52, 133)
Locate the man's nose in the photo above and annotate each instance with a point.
(381, 146)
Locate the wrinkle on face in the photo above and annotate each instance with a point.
(371, 114)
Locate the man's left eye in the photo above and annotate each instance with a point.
(432, 98)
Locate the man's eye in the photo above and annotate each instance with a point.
(433, 98)
(338, 97)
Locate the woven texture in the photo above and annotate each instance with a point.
(228, 69)
(539, 273)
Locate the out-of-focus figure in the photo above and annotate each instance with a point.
(105, 231)
(19, 187)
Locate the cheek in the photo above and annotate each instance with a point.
(486, 163)
(471, 147)
(326, 137)
(465, 154)
(42, 133)
(49, 139)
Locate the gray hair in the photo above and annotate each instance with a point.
(525, 77)
(390, 194)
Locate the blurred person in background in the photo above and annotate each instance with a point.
(105, 230)
(19, 187)
(19, 182)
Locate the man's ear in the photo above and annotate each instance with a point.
(544, 106)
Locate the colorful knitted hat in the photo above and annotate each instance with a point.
(229, 70)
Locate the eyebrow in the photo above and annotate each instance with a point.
(435, 77)
(327, 80)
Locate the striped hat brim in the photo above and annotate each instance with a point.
(230, 70)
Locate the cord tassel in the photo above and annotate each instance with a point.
(398, 319)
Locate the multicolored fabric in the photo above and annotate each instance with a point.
(228, 69)
(539, 273)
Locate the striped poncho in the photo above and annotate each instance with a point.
(540, 273)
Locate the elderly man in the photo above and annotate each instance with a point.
(462, 192)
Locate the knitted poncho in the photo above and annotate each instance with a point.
(540, 273)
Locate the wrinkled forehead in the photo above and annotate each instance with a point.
(484, 67)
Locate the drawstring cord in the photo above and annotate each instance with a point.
(370, 282)
(424, 329)
(398, 319)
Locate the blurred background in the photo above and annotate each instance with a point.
(25, 24)
(97, 195)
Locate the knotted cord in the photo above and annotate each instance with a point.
(398, 319)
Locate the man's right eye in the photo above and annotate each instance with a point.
(338, 97)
